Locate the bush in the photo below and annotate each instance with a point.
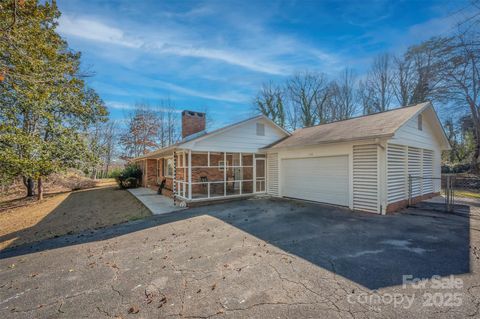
(114, 173)
(456, 168)
(130, 176)
(131, 182)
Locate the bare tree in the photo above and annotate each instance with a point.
(376, 91)
(169, 123)
(305, 91)
(365, 97)
(342, 100)
(110, 144)
(459, 57)
(403, 83)
(270, 102)
(141, 135)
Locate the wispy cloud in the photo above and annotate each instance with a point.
(119, 105)
(228, 97)
(271, 58)
(93, 30)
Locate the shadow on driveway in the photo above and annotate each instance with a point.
(373, 251)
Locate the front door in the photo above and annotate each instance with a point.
(260, 175)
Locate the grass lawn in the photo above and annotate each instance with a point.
(467, 194)
(26, 221)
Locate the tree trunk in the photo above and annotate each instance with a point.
(40, 188)
(30, 185)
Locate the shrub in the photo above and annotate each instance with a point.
(130, 176)
(114, 173)
(455, 168)
(131, 182)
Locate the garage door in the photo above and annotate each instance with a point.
(321, 179)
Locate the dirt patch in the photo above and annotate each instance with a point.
(68, 213)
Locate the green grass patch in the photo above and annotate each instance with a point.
(468, 194)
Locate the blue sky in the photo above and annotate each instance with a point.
(215, 55)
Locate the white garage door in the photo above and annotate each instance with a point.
(321, 179)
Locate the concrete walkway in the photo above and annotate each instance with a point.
(156, 203)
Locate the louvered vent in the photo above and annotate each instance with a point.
(272, 174)
(415, 169)
(365, 178)
(427, 186)
(397, 173)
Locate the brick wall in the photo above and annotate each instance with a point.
(192, 122)
(151, 178)
(393, 207)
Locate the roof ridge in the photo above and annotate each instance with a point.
(365, 115)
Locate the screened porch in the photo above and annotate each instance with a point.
(212, 175)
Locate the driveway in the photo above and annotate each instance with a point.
(254, 258)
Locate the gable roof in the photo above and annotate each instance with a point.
(377, 125)
(202, 135)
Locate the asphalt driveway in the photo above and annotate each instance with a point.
(254, 258)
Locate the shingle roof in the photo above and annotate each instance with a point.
(369, 126)
(205, 134)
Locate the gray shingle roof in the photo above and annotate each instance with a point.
(364, 127)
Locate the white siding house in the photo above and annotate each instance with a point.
(363, 163)
(246, 137)
(225, 163)
(370, 163)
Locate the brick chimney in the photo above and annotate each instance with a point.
(192, 122)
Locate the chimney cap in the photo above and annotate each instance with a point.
(193, 113)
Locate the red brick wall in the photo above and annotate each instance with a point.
(192, 122)
(393, 207)
(151, 178)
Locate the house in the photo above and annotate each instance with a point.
(370, 163)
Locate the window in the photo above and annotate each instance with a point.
(420, 120)
(221, 165)
(168, 167)
(260, 129)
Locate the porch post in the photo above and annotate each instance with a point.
(241, 172)
(254, 174)
(189, 174)
(174, 186)
(224, 174)
(145, 178)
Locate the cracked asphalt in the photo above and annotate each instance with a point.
(256, 258)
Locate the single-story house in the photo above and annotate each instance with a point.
(364, 163)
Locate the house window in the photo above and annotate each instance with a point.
(420, 122)
(168, 167)
(221, 165)
(260, 129)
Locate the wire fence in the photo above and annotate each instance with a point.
(455, 188)
(420, 186)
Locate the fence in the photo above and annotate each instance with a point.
(421, 185)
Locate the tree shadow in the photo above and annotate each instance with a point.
(82, 210)
(371, 250)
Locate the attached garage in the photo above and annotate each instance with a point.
(363, 163)
(321, 179)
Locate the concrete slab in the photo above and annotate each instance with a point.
(156, 203)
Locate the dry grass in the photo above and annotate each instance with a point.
(25, 221)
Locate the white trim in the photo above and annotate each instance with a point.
(189, 174)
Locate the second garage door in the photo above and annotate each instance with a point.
(321, 179)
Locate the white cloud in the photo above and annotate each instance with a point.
(95, 31)
(119, 105)
(227, 97)
(259, 51)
